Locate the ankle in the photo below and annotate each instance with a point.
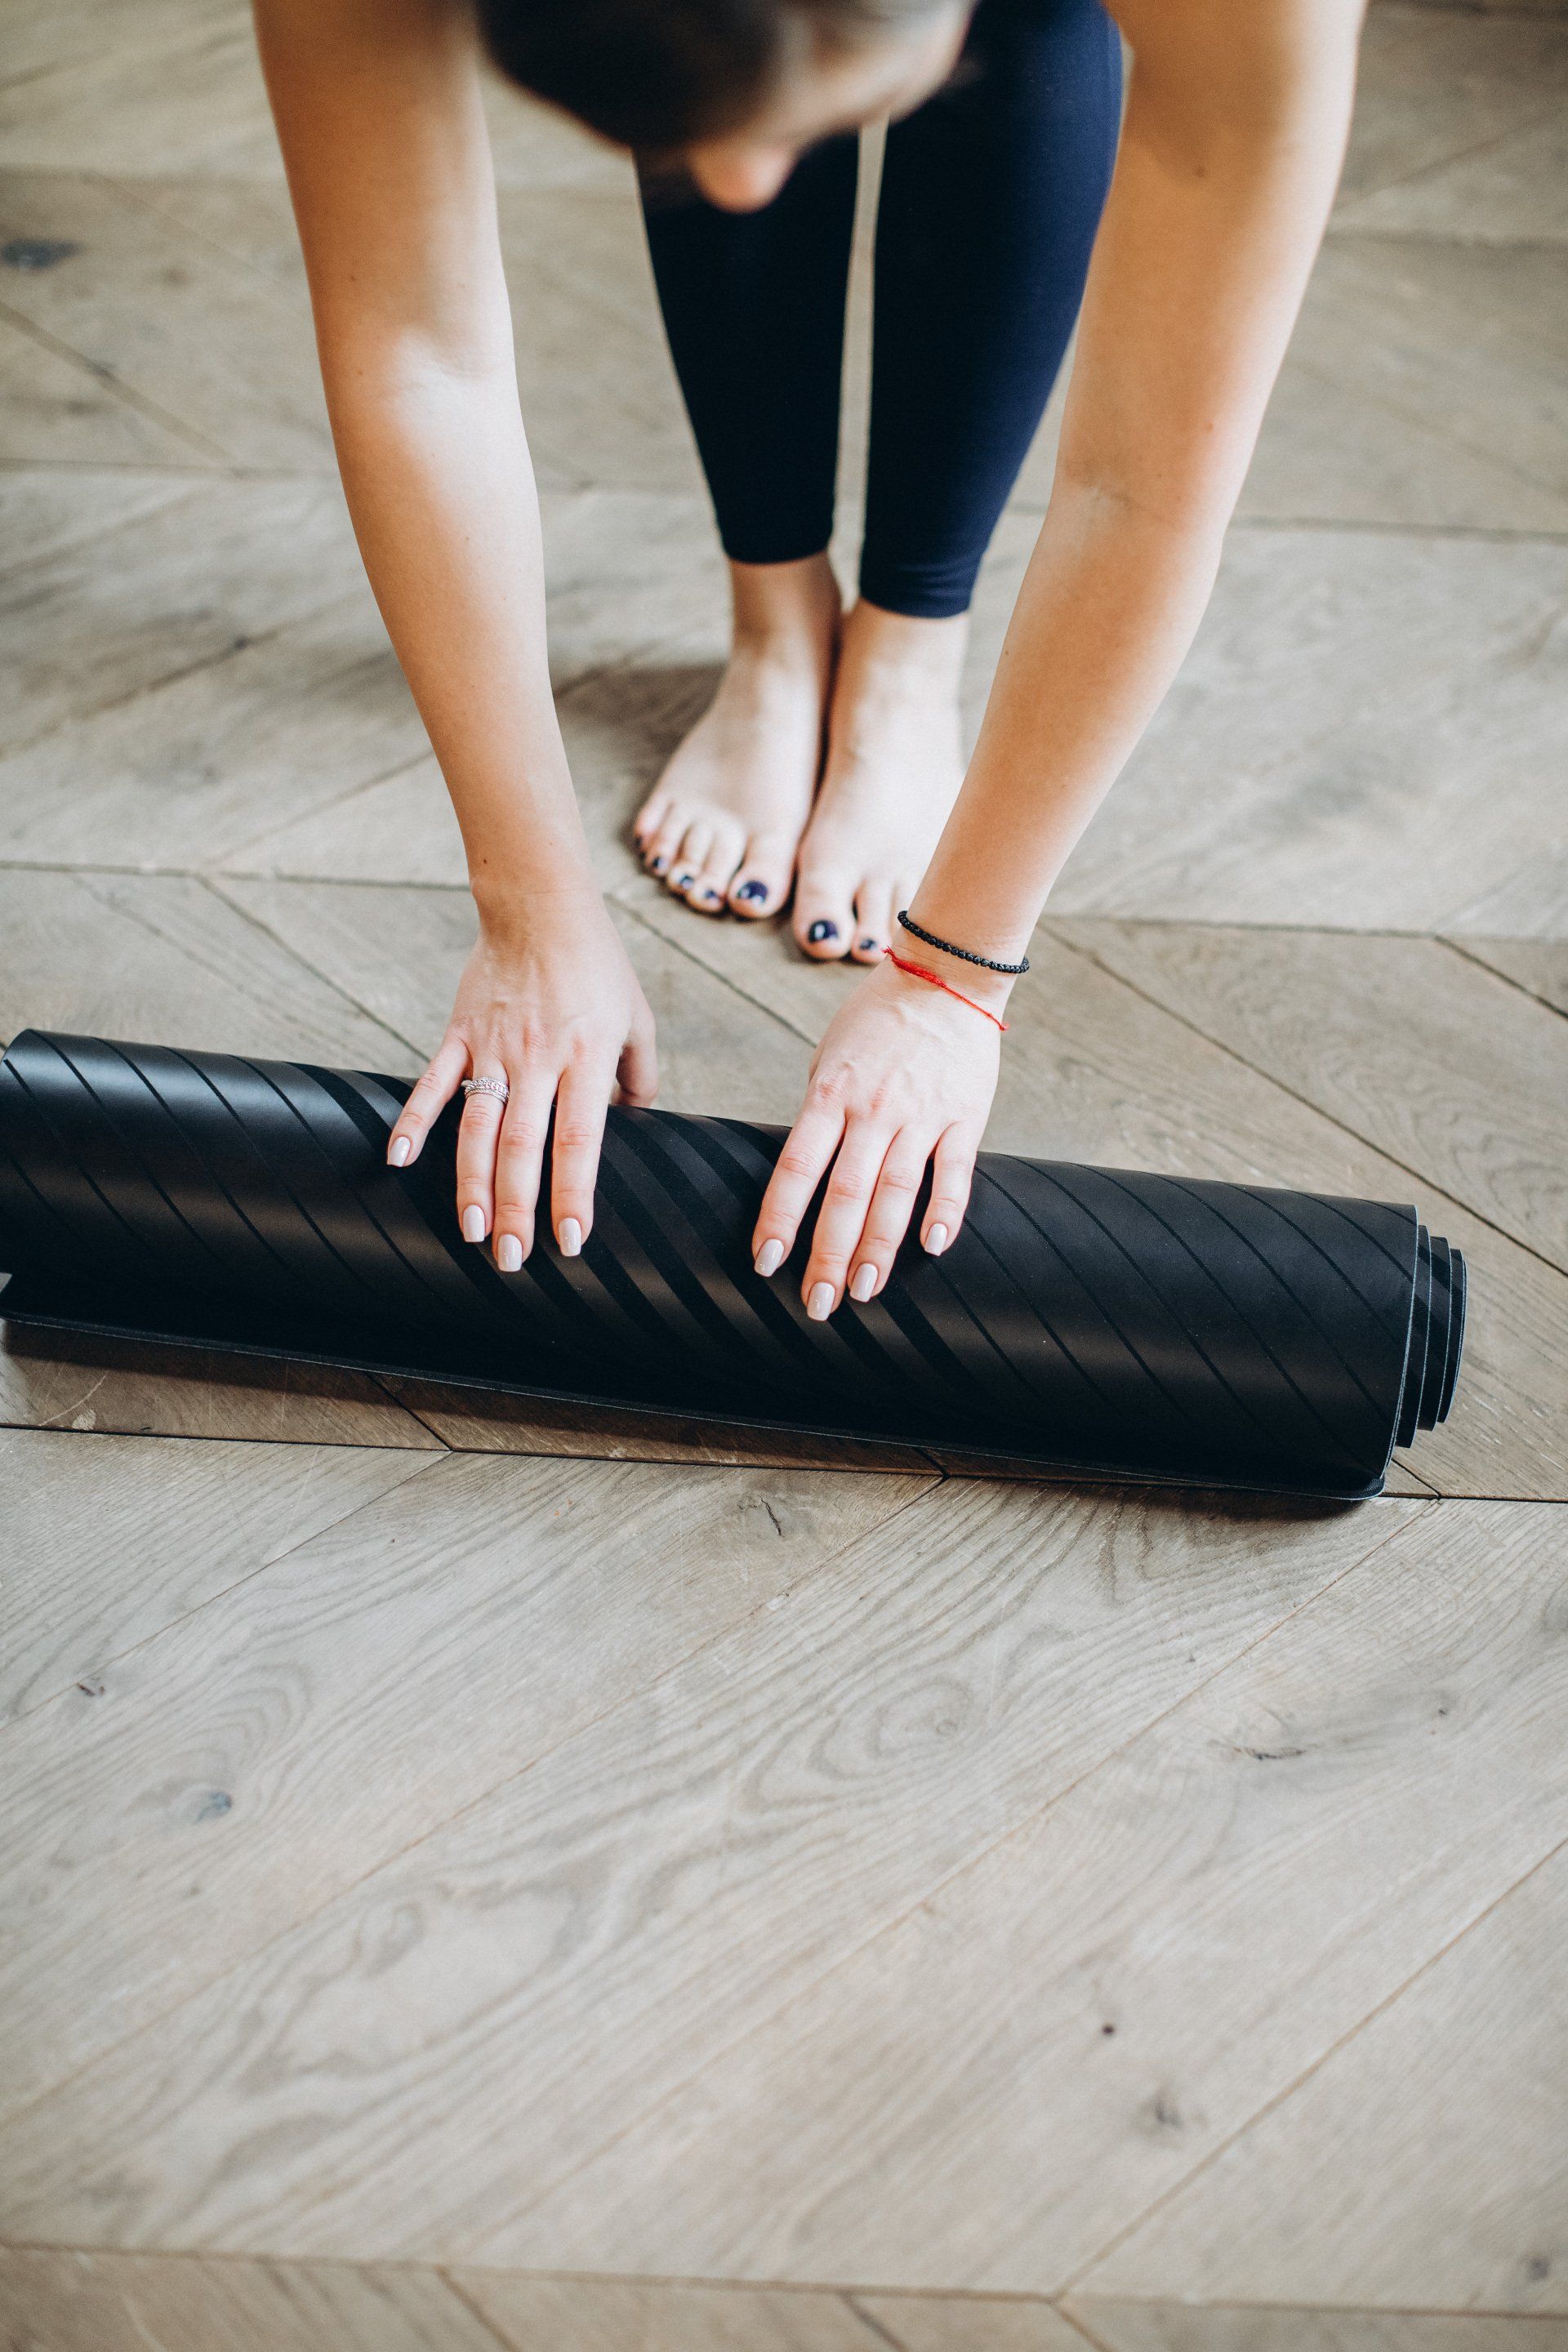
(785, 612)
(873, 641)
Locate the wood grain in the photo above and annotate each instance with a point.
(168, 317)
(52, 407)
(1460, 1079)
(1094, 1071)
(1460, 2194)
(1230, 1894)
(935, 2323)
(96, 617)
(545, 2314)
(190, 1520)
(1116, 2326)
(414, 2065)
(268, 1750)
(1539, 965)
(60, 2301)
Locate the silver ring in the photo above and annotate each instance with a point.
(497, 1087)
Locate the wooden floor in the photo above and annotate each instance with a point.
(478, 1876)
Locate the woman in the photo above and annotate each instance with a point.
(1230, 151)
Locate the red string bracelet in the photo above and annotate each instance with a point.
(918, 972)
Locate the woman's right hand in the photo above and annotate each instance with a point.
(550, 1004)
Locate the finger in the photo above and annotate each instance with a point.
(810, 1146)
(888, 1217)
(842, 1217)
(427, 1099)
(477, 1138)
(953, 1172)
(579, 1106)
(636, 1075)
(519, 1161)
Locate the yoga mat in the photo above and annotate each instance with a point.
(1094, 1319)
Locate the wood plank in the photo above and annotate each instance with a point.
(1362, 737)
(55, 2300)
(166, 87)
(49, 511)
(269, 1750)
(52, 407)
(1539, 965)
(1093, 1071)
(180, 774)
(415, 2065)
(1435, 84)
(1118, 2327)
(164, 958)
(1456, 1075)
(1508, 192)
(63, 1379)
(469, 1421)
(937, 2323)
(41, 40)
(110, 1539)
(95, 620)
(1229, 1894)
(1531, 902)
(1461, 2187)
(169, 317)
(528, 2314)
(399, 955)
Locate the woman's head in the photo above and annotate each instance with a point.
(735, 89)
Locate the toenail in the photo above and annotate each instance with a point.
(866, 946)
(753, 892)
(822, 930)
(661, 865)
(710, 896)
(684, 881)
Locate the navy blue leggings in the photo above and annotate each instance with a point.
(991, 195)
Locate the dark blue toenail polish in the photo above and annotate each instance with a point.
(684, 881)
(753, 892)
(866, 946)
(661, 865)
(822, 930)
(709, 897)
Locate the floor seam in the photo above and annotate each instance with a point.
(101, 373)
(1281, 2097)
(1015, 1828)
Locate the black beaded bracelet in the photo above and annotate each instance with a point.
(968, 954)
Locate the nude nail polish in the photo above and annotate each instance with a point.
(570, 1238)
(402, 1145)
(936, 1240)
(819, 1306)
(508, 1252)
(864, 1282)
(770, 1258)
(473, 1224)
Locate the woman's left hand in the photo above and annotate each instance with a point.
(904, 1074)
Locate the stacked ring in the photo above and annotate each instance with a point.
(497, 1087)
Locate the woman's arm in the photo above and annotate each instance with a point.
(377, 105)
(1230, 153)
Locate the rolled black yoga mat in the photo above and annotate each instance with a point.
(1091, 1319)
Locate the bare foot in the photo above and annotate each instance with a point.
(721, 826)
(895, 760)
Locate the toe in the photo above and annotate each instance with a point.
(649, 818)
(686, 863)
(761, 877)
(661, 847)
(708, 891)
(824, 917)
(873, 921)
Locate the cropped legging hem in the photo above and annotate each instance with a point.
(991, 195)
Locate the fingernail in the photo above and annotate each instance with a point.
(753, 892)
(770, 1258)
(822, 930)
(936, 1239)
(864, 1282)
(819, 1306)
(570, 1238)
(473, 1224)
(402, 1145)
(508, 1252)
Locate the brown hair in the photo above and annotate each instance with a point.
(654, 75)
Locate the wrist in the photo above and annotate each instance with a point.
(514, 907)
(975, 978)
